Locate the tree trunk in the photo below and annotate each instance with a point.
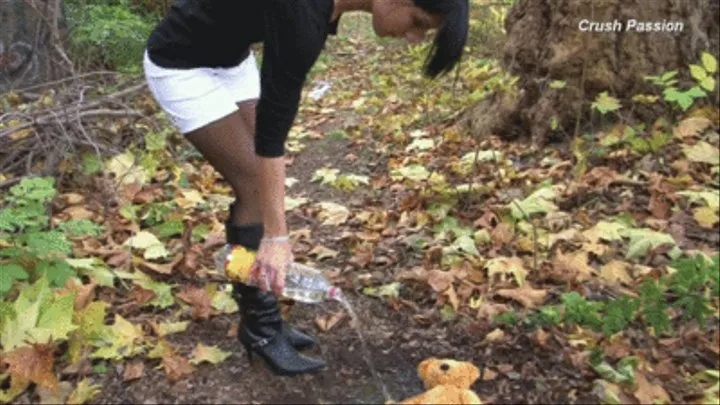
(32, 34)
(545, 43)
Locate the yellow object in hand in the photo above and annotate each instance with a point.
(239, 262)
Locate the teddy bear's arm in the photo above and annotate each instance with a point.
(470, 398)
(444, 394)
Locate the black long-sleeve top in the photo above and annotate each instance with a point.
(218, 33)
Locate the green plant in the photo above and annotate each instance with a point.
(108, 32)
(31, 248)
(703, 75)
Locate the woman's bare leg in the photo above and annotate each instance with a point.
(229, 146)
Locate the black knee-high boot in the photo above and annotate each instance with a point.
(262, 329)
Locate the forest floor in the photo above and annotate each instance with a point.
(565, 274)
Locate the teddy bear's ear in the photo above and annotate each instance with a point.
(470, 375)
(424, 365)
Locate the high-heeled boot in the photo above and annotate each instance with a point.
(261, 333)
(250, 236)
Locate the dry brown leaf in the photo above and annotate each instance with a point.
(440, 280)
(233, 330)
(323, 252)
(691, 126)
(505, 368)
(85, 293)
(489, 375)
(72, 198)
(141, 295)
(574, 265)
(176, 366)
(488, 310)
(78, 212)
(133, 371)
(496, 335)
(325, 323)
(659, 205)
(526, 295)
(541, 338)
(199, 299)
(32, 364)
(452, 297)
(570, 235)
(157, 268)
(502, 234)
(648, 393)
(616, 270)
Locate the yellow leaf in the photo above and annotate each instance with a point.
(706, 217)
(504, 266)
(83, 392)
(703, 152)
(210, 354)
(332, 213)
(190, 199)
(616, 270)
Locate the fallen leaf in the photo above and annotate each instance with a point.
(190, 199)
(133, 371)
(526, 295)
(505, 368)
(78, 212)
(149, 243)
(233, 330)
(452, 297)
(72, 198)
(325, 323)
(570, 235)
(32, 364)
(122, 339)
(55, 396)
(323, 252)
(440, 280)
(706, 217)
(616, 270)
(488, 310)
(496, 335)
(167, 328)
(209, 354)
(575, 264)
(199, 299)
(648, 393)
(702, 152)
(607, 231)
(176, 367)
(690, 127)
(332, 213)
(84, 392)
(504, 266)
(489, 375)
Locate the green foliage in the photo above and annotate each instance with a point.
(509, 318)
(31, 249)
(580, 311)
(690, 285)
(654, 308)
(108, 32)
(702, 73)
(80, 227)
(619, 313)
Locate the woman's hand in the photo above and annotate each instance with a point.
(272, 262)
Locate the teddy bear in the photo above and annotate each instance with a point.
(446, 382)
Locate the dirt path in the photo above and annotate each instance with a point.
(520, 370)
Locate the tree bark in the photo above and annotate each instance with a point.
(544, 43)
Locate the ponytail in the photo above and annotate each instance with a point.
(449, 43)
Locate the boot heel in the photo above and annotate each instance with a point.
(249, 352)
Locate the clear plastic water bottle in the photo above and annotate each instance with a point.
(302, 283)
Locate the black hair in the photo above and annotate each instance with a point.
(449, 43)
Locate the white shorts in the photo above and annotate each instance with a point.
(194, 98)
